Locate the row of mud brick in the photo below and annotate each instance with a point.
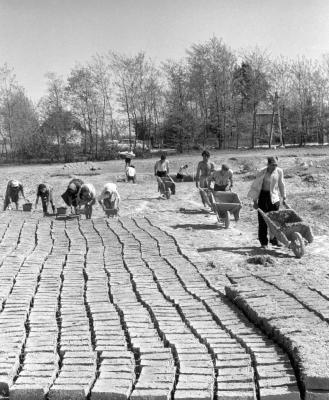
(293, 311)
(117, 309)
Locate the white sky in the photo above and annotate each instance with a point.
(38, 36)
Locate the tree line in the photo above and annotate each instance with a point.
(213, 96)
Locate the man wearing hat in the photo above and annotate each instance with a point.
(45, 192)
(12, 193)
(265, 191)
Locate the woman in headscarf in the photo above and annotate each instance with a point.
(87, 197)
(45, 192)
(14, 188)
(71, 193)
(109, 198)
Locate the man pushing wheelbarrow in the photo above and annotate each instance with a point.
(221, 200)
(284, 226)
(166, 186)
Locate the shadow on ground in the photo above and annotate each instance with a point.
(247, 250)
(198, 226)
(190, 211)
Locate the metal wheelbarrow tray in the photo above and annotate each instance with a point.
(166, 185)
(223, 204)
(289, 229)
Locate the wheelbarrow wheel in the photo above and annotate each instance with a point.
(227, 219)
(297, 244)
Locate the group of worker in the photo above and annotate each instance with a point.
(77, 194)
(206, 173)
(265, 190)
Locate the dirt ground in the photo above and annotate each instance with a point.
(171, 271)
(307, 177)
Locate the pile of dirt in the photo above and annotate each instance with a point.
(267, 261)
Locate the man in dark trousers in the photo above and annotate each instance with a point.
(265, 191)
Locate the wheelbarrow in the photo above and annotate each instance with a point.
(223, 204)
(166, 186)
(289, 229)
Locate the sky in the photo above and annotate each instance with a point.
(40, 36)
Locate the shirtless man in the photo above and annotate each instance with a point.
(204, 170)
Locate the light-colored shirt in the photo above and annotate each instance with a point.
(161, 166)
(18, 186)
(109, 189)
(223, 178)
(130, 171)
(277, 185)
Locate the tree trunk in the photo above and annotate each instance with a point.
(283, 128)
(271, 131)
(254, 125)
(237, 131)
(96, 139)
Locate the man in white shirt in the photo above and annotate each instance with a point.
(265, 191)
(223, 179)
(161, 167)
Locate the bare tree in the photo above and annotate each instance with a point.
(251, 80)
